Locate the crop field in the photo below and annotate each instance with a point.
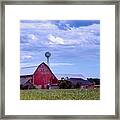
(60, 94)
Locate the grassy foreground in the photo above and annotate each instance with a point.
(60, 94)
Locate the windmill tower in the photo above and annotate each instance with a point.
(47, 55)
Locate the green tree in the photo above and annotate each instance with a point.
(65, 84)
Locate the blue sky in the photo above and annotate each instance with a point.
(74, 46)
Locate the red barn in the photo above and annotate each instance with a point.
(43, 77)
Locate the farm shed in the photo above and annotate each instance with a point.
(95, 81)
(26, 84)
(80, 83)
(26, 77)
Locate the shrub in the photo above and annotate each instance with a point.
(65, 84)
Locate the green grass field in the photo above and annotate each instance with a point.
(60, 94)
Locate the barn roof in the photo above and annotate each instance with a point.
(47, 67)
(59, 76)
(23, 81)
(80, 80)
(33, 70)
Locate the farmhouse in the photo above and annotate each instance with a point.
(42, 77)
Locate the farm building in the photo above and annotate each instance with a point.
(95, 81)
(26, 77)
(26, 84)
(42, 77)
(80, 83)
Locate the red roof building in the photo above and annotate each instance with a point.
(43, 77)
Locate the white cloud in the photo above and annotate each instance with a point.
(26, 25)
(47, 26)
(32, 36)
(39, 25)
(49, 35)
(61, 64)
(55, 40)
(26, 57)
(82, 36)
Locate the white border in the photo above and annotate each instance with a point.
(104, 13)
